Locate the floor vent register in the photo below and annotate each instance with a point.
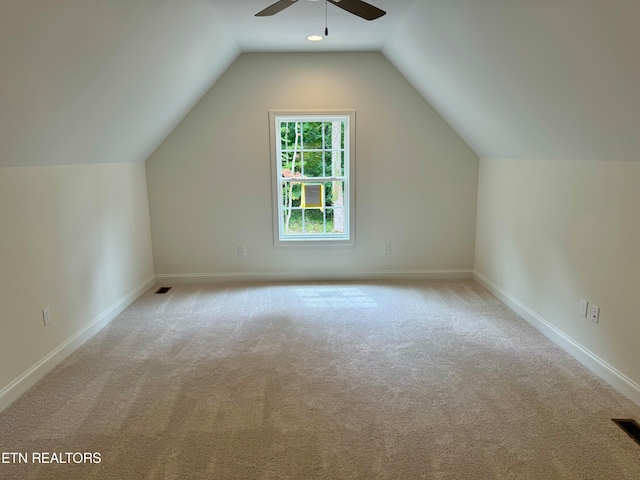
(630, 426)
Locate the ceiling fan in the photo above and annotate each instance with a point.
(357, 7)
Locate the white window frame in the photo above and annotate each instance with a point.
(276, 117)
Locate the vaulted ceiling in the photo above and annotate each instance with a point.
(100, 81)
(538, 79)
(94, 81)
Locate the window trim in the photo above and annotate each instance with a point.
(302, 116)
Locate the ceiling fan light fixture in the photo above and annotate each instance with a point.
(357, 7)
(314, 38)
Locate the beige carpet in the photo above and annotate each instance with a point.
(394, 380)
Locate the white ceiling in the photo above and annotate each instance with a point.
(91, 81)
(287, 31)
(102, 81)
(534, 79)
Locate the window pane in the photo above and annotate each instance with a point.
(286, 164)
(291, 165)
(312, 164)
(334, 163)
(327, 163)
(313, 220)
(312, 135)
(334, 194)
(291, 193)
(338, 220)
(288, 136)
(292, 221)
(334, 135)
(327, 135)
(329, 215)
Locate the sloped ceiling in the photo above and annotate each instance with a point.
(539, 79)
(94, 81)
(97, 81)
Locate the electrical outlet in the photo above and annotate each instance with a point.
(584, 305)
(241, 251)
(46, 316)
(595, 314)
(387, 249)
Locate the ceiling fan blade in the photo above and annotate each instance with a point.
(275, 8)
(359, 8)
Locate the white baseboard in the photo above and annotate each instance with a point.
(190, 278)
(25, 381)
(609, 374)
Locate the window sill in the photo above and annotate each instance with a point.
(315, 243)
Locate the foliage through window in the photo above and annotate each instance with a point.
(313, 176)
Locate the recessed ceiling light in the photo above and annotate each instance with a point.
(314, 38)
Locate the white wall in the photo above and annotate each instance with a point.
(550, 233)
(210, 181)
(76, 239)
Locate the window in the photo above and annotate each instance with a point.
(313, 168)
